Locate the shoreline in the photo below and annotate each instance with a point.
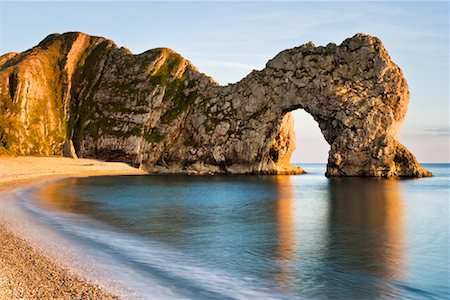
(29, 268)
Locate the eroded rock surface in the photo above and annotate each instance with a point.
(156, 110)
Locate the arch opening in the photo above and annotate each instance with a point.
(298, 145)
(311, 147)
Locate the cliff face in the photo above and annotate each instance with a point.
(156, 110)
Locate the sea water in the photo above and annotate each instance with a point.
(260, 237)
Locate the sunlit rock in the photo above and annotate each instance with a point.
(157, 111)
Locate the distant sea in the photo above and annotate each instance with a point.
(260, 237)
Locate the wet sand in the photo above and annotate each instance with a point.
(26, 271)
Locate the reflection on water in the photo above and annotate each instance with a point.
(51, 198)
(300, 236)
(285, 222)
(366, 235)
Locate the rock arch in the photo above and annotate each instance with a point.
(157, 111)
(354, 91)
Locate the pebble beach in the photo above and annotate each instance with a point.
(27, 271)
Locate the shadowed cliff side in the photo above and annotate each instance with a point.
(156, 110)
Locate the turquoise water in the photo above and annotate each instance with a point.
(247, 237)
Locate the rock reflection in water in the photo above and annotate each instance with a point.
(286, 237)
(340, 237)
(366, 234)
(55, 197)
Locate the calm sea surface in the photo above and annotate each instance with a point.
(260, 237)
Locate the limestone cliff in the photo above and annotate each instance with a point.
(156, 110)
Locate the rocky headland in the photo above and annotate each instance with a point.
(81, 95)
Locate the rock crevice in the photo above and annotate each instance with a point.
(157, 111)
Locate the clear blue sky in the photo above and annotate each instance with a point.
(227, 40)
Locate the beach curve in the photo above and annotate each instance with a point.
(27, 269)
